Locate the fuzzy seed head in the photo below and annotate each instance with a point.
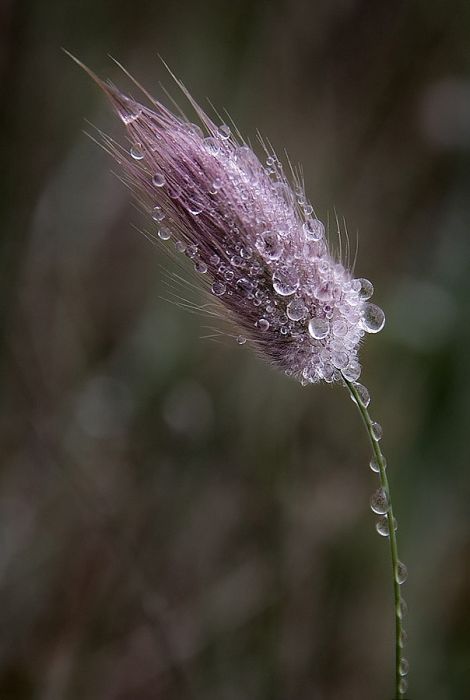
(252, 236)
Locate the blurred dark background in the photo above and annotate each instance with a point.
(178, 521)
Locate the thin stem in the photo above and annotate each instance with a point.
(399, 632)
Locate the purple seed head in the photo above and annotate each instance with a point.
(251, 235)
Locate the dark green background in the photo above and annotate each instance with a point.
(178, 521)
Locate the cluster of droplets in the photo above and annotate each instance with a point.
(266, 254)
(381, 506)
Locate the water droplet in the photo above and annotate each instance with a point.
(216, 185)
(129, 117)
(223, 132)
(136, 152)
(241, 340)
(403, 685)
(376, 430)
(339, 328)
(363, 393)
(323, 290)
(401, 573)
(174, 191)
(269, 245)
(402, 608)
(180, 246)
(263, 324)
(218, 288)
(373, 318)
(318, 328)
(339, 359)
(403, 638)
(194, 130)
(382, 525)
(353, 372)
(283, 190)
(211, 145)
(285, 282)
(296, 310)
(245, 285)
(194, 206)
(158, 180)
(158, 214)
(201, 267)
(374, 465)
(379, 502)
(366, 288)
(314, 229)
(214, 259)
(404, 667)
(164, 233)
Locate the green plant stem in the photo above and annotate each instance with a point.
(391, 532)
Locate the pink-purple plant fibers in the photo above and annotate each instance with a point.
(261, 252)
(251, 235)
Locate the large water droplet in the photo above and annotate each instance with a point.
(269, 245)
(352, 371)
(218, 288)
(164, 233)
(211, 145)
(339, 359)
(200, 266)
(318, 328)
(158, 180)
(373, 318)
(263, 324)
(313, 229)
(245, 285)
(363, 393)
(404, 667)
(366, 289)
(158, 214)
(339, 328)
(379, 502)
(195, 206)
(403, 638)
(223, 132)
(241, 340)
(129, 117)
(402, 608)
(174, 191)
(403, 685)
(216, 185)
(296, 310)
(401, 573)
(374, 465)
(194, 130)
(382, 525)
(136, 152)
(237, 260)
(285, 282)
(376, 430)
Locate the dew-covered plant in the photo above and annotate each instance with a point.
(262, 254)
